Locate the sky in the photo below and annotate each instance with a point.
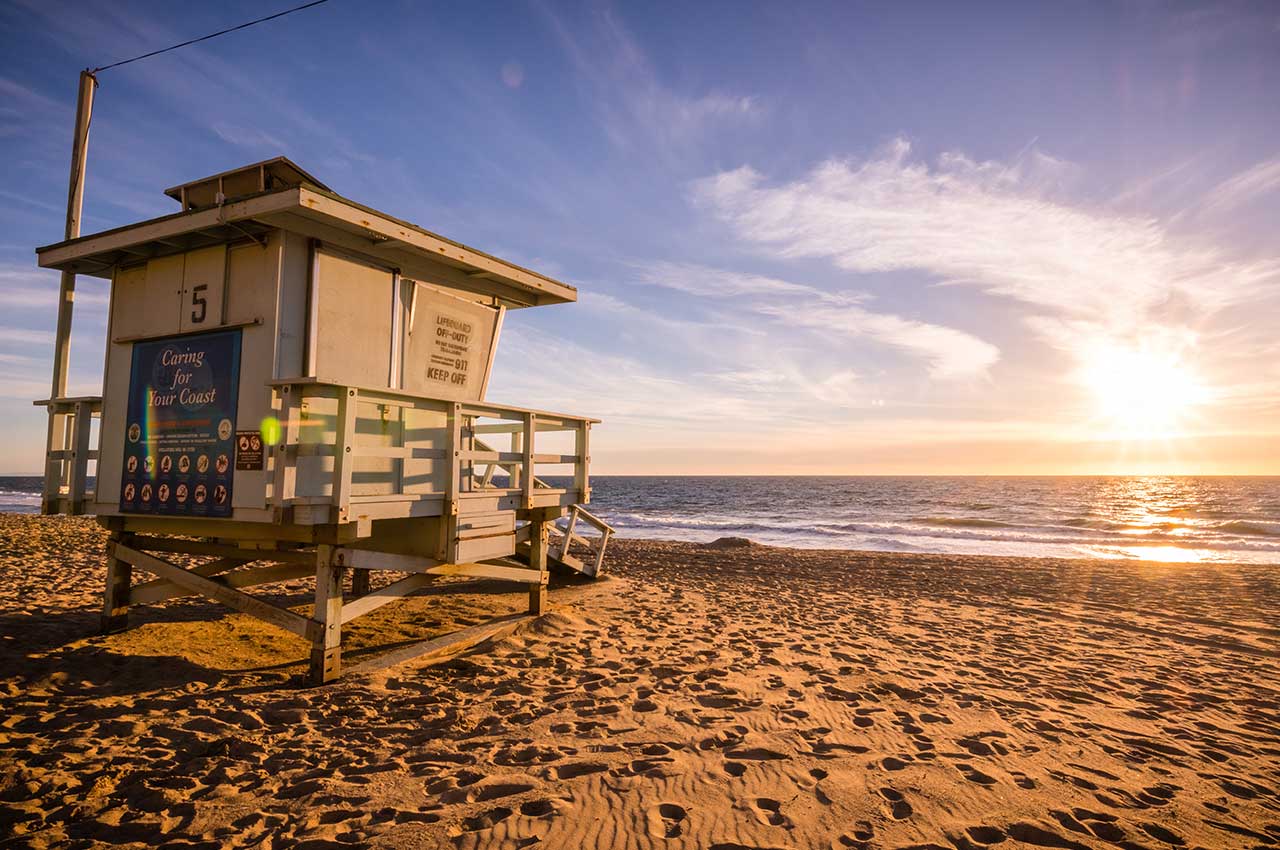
(846, 238)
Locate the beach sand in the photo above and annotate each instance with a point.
(703, 697)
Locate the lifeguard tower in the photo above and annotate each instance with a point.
(295, 385)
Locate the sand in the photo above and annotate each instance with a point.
(703, 697)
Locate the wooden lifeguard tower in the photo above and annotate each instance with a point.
(294, 385)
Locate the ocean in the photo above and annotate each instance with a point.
(1222, 519)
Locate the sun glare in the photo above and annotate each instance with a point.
(1142, 392)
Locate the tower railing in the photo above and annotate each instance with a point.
(68, 453)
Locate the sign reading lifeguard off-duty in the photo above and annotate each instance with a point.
(180, 432)
(295, 385)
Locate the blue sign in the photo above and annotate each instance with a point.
(180, 432)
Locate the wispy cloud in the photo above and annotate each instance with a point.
(629, 391)
(246, 137)
(986, 225)
(24, 110)
(1245, 187)
(950, 353)
(10, 336)
(24, 287)
(636, 108)
(704, 281)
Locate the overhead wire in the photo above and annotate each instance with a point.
(210, 35)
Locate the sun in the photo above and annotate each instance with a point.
(1143, 391)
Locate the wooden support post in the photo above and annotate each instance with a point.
(582, 471)
(115, 599)
(343, 458)
(55, 439)
(539, 530)
(326, 645)
(360, 582)
(453, 486)
(79, 461)
(528, 482)
(285, 452)
(538, 598)
(516, 472)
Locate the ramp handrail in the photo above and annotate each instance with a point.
(560, 548)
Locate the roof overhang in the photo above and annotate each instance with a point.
(266, 176)
(307, 210)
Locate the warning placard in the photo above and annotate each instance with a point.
(249, 453)
(448, 345)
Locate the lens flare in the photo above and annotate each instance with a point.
(270, 430)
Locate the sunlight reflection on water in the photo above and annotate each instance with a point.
(1211, 519)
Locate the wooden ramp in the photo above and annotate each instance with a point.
(559, 556)
(590, 560)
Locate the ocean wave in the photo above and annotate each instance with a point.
(1128, 527)
(889, 544)
(1251, 528)
(917, 537)
(963, 522)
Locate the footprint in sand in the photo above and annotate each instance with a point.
(898, 805)
(974, 775)
(543, 808)
(486, 819)
(985, 834)
(818, 774)
(976, 747)
(666, 820)
(769, 812)
(1022, 780)
(1160, 833)
(497, 790)
(483, 793)
(858, 838)
(1158, 795)
(574, 769)
(756, 754)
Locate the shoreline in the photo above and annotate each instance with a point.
(749, 696)
(894, 552)
(961, 556)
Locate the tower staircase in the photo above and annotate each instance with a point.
(589, 560)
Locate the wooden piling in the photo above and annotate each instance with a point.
(115, 599)
(326, 645)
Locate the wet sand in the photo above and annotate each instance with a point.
(703, 697)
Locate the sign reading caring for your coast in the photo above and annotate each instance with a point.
(180, 439)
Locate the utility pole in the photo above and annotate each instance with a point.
(58, 474)
(75, 202)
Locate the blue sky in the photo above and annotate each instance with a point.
(845, 238)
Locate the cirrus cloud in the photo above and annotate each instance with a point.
(987, 225)
(950, 353)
